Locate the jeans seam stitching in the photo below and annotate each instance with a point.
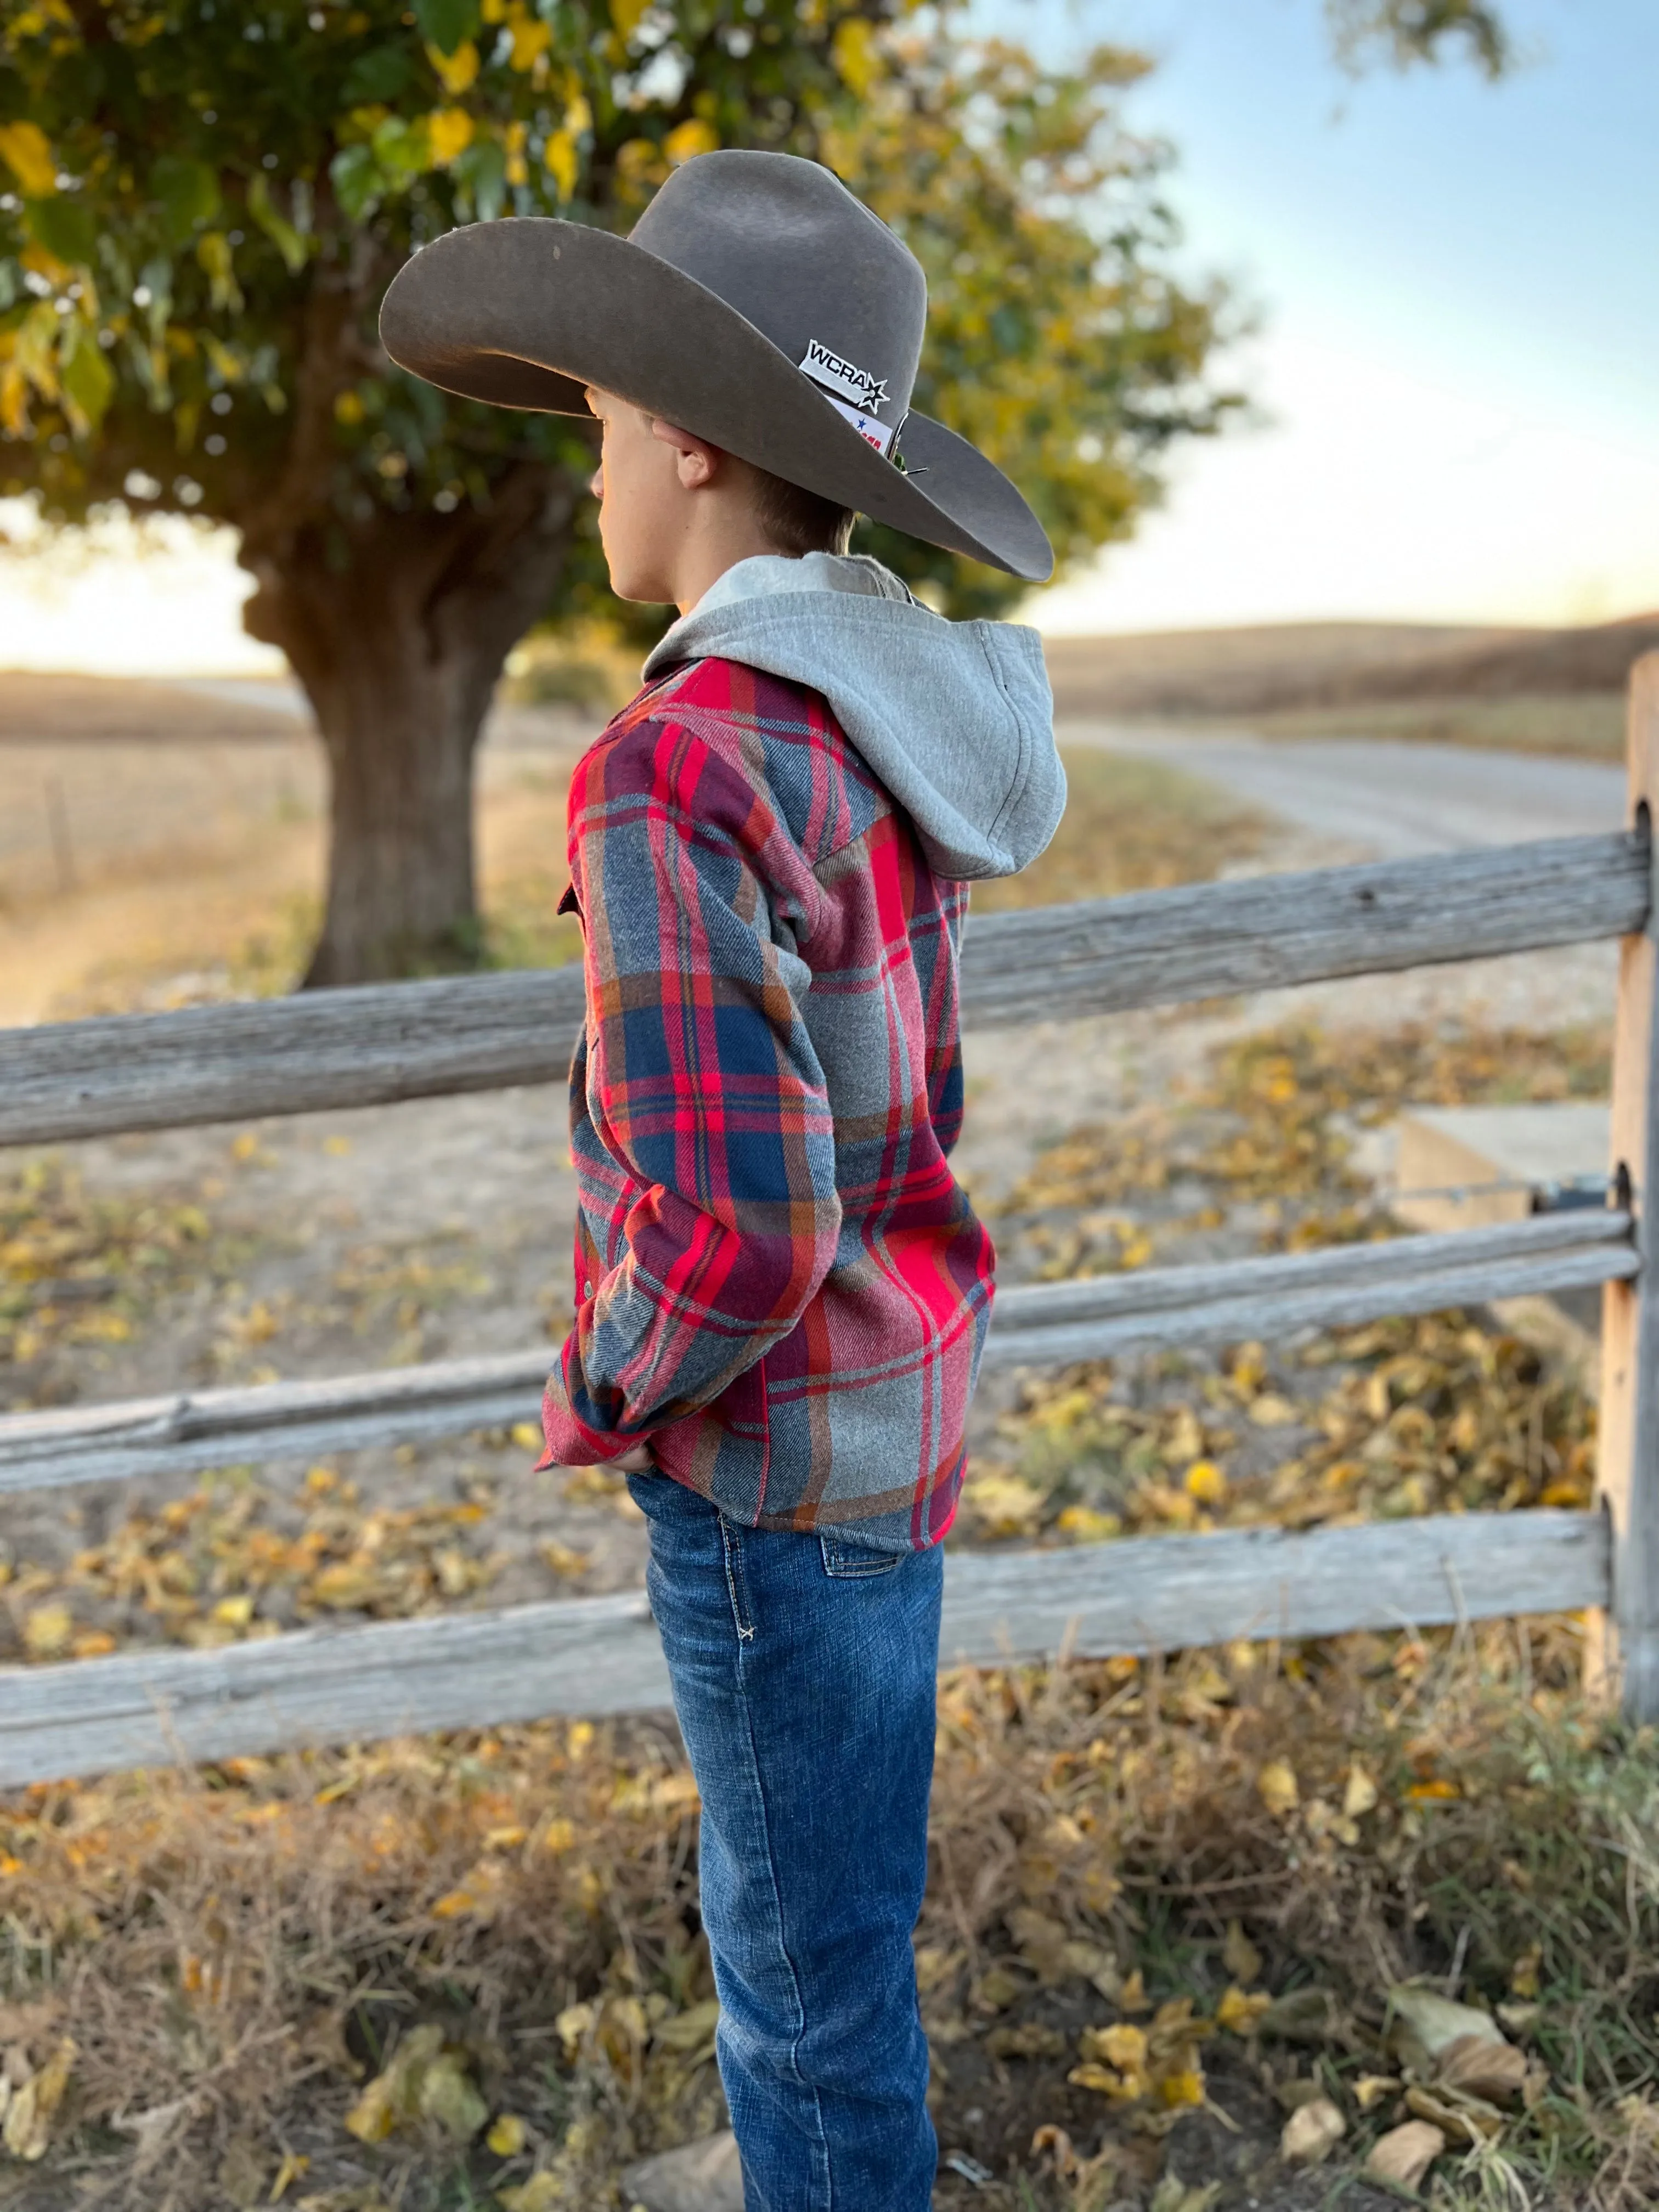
(731, 1545)
(823, 2143)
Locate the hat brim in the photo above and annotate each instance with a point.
(527, 311)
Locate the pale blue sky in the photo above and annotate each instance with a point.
(1459, 291)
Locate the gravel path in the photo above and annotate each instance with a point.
(1388, 800)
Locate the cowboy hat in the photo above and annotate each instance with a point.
(755, 303)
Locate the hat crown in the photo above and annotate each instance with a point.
(783, 241)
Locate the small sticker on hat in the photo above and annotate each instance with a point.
(836, 374)
(878, 435)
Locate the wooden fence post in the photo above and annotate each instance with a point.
(1623, 1657)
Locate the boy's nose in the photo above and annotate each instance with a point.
(596, 482)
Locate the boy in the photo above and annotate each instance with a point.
(782, 1290)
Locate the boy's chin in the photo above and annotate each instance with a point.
(639, 589)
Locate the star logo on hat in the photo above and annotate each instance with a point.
(835, 373)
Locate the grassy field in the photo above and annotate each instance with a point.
(1590, 725)
(1529, 691)
(152, 872)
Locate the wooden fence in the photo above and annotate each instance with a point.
(600, 1654)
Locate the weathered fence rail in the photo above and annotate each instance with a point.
(1043, 1324)
(600, 1655)
(366, 1047)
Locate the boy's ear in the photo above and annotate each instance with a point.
(699, 461)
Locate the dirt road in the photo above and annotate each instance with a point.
(1388, 801)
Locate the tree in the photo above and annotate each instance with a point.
(212, 196)
(1406, 31)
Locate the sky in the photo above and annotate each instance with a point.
(1455, 367)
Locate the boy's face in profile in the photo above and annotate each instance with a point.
(674, 511)
(641, 501)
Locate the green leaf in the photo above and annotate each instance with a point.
(87, 380)
(11, 285)
(482, 170)
(64, 225)
(187, 193)
(358, 183)
(287, 240)
(403, 148)
(382, 74)
(447, 24)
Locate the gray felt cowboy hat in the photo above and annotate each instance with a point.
(756, 303)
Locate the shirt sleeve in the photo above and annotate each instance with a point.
(703, 1086)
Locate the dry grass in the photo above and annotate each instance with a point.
(1130, 825)
(1586, 726)
(234, 1953)
(1275, 667)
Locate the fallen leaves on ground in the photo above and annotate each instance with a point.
(481, 1951)
(78, 1272)
(233, 1561)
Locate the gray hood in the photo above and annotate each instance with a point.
(954, 719)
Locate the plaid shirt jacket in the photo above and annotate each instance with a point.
(780, 1283)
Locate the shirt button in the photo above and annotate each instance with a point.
(587, 1289)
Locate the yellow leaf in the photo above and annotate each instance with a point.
(92, 1643)
(1359, 1794)
(347, 1582)
(294, 2166)
(625, 16)
(506, 2137)
(26, 151)
(543, 2192)
(1277, 1789)
(852, 51)
(1088, 1526)
(456, 72)
(1121, 2045)
(1270, 1411)
(1133, 1997)
(563, 1560)
(1126, 2087)
(34, 2104)
(1524, 1975)
(234, 1611)
(449, 132)
(559, 1836)
(1240, 2010)
(1184, 2089)
(688, 139)
(531, 37)
(527, 1436)
(1206, 1482)
(1239, 1955)
(47, 1631)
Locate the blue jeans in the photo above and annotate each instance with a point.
(804, 1669)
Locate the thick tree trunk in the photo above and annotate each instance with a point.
(398, 626)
